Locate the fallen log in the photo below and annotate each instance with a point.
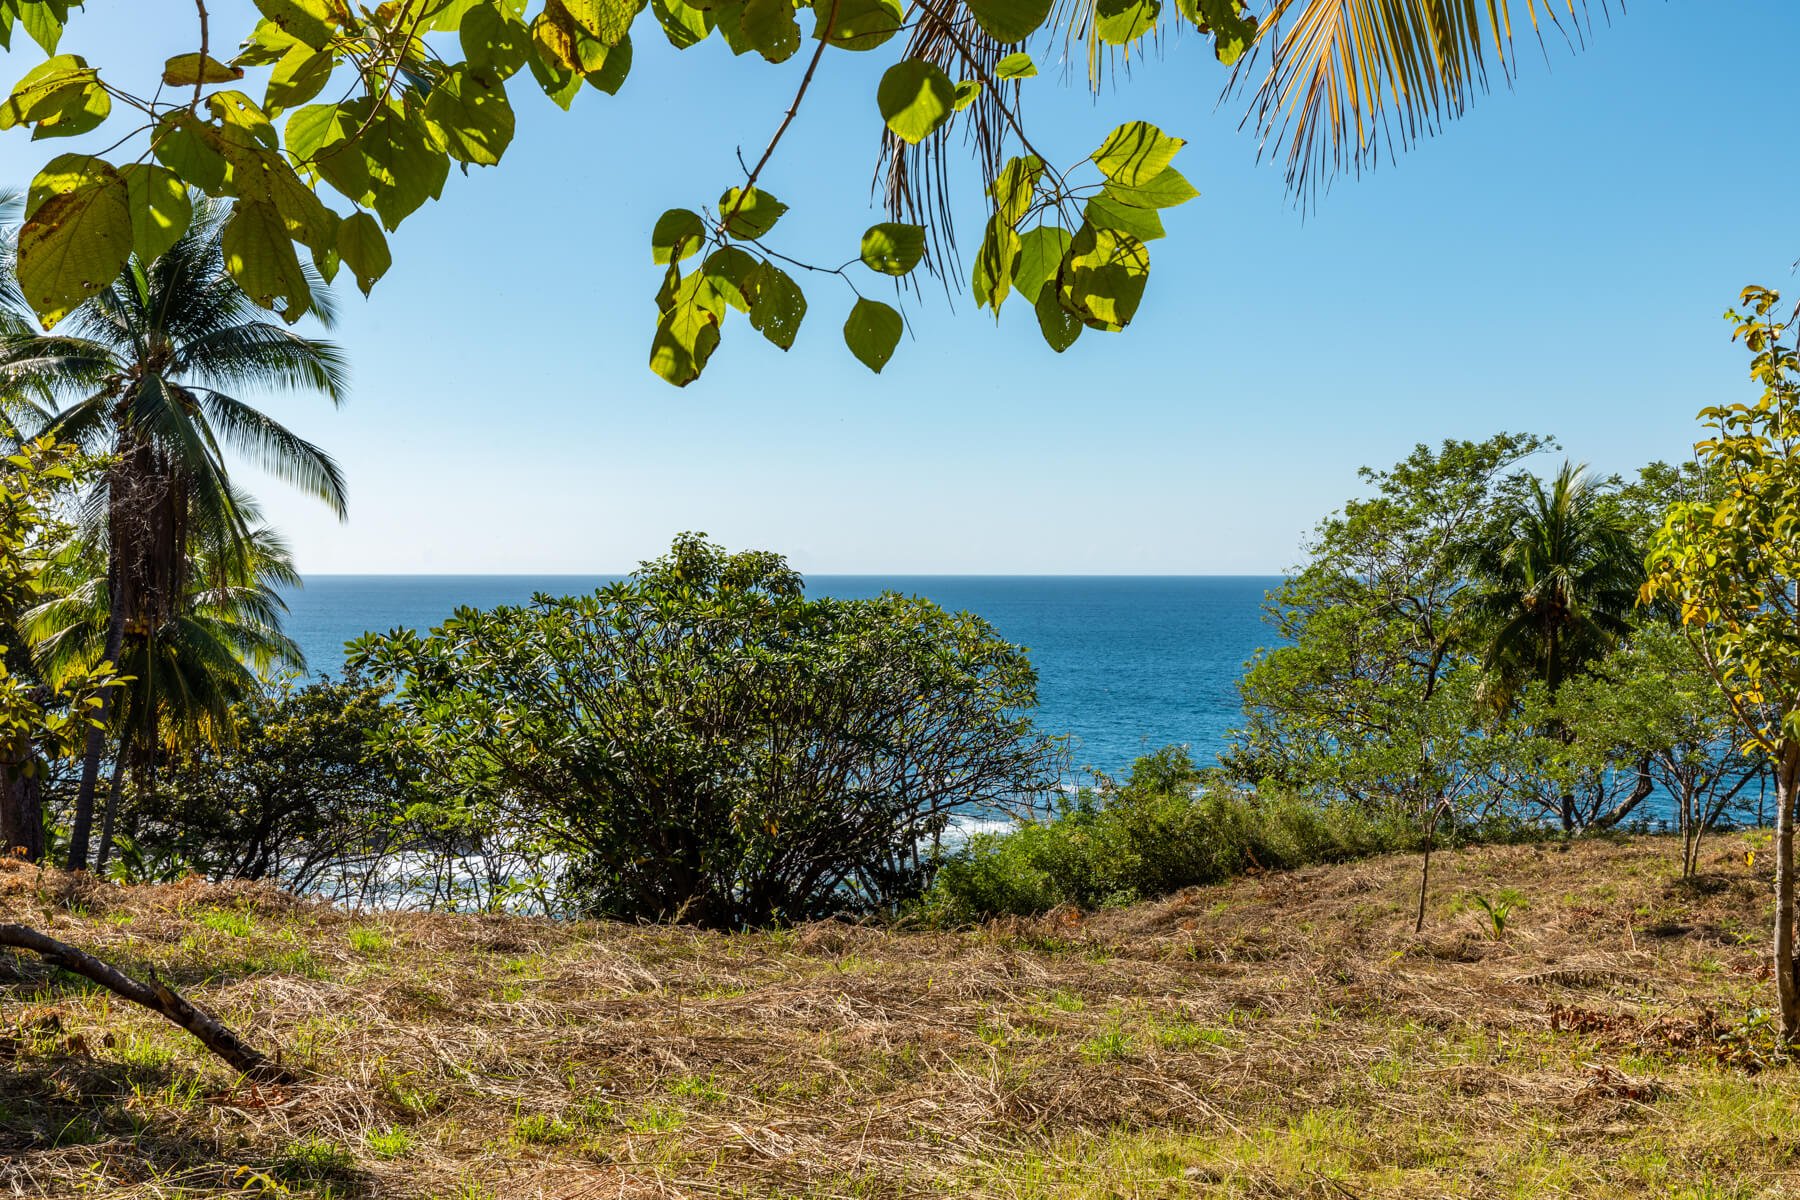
(154, 995)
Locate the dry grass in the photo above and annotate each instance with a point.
(1280, 1036)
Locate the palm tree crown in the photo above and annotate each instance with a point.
(1556, 583)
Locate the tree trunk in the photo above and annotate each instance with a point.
(155, 996)
(109, 818)
(1787, 986)
(82, 828)
(22, 802)
(1431, 820)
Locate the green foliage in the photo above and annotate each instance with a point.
(290, 793)
(333, 122)
(1368, 699)
(1163, 830)
(705, 743)
(1728, 562)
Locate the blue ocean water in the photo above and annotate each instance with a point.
(1125, 663)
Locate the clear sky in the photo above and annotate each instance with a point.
(1555, 262)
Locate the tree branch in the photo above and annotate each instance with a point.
(155, 996)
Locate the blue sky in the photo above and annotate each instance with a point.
(1555, 262)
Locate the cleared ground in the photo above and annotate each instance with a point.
(1285, 1035)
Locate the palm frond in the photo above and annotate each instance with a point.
(1343, 81)
(277, 449)
(263, 354)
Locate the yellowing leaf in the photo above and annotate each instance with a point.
(679, 232)
(77, 237)
(186, 70)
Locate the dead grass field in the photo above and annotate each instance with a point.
(1284, 1035)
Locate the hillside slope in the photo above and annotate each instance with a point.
(1284, 1035)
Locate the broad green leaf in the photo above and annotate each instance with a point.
(893, 248)
(749, 215)
(189, 147)
(728, 19)
(1015, 186)
(301, 74)
(608, 20)
(309, 21)
(686, 336)
(266, 44)
(319, 135)
(493, 39)
(448, 16)
(44, 22)
(777, 306)
(1120, 22)
(1229, 21)
(857, 24)
(260, 257)
(682, 23)
(611, 75)
(60, 97)
(1015, 66)
(236, 110)
(872, 330)
(731, 270)
(1041, 252)
(1141, 223)
(994, 263)
(561, 82)
(160, 208)
(967, 92)
(1135, 153)
(1009, 21)
(771, 28)
(915, 98)
(77, 236)
(469, 113)
(364, 249)
(679, 232)
(1059, 326)
(186, 70)
(1102, 277)
(1165, 191)
(405, 168)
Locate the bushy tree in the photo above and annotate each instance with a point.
(293, 792)
(703, 742)
(1368, 698)
(1729, 565)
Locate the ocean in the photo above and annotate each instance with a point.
(1126, 664)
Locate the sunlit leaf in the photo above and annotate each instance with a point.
(893, 248)
(76, 237)
(751, 214)
(1136, 153)
(872, 330)
(915, 98)
(160, 208)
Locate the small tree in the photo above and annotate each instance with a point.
(1730, 564)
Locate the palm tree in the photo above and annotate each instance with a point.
(1346, 79)
(184, 679)
(1556, 583)
(147, 377)
(1553, 590)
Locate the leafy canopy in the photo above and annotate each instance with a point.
(333, 122)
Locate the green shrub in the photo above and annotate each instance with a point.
(1165, 829)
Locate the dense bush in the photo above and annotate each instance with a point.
(292, 793)
(1168, 827)
(705, 743)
